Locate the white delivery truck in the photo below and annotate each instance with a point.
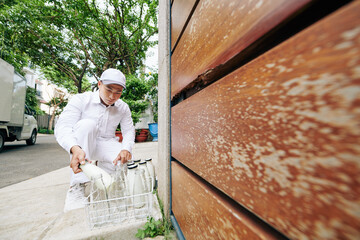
(16, 120)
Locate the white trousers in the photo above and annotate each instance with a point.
(97, 149)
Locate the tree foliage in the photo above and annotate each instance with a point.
(10, 46)
(31, 101)
(153, 94)
(135, 95)
(58, 104)
(74, 40)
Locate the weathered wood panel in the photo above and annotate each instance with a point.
(281, 135)
(180, 12)
(203, 214)
(220, 29)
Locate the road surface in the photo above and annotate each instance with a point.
(19, 162)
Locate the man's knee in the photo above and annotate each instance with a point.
(85, 124)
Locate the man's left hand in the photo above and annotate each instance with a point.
(123, 156)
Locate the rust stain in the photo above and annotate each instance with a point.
(282, 135)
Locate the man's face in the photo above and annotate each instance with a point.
(109, 93)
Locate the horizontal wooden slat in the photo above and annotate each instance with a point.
(220, 29)
(281, 135)
(204, 214)
(180, 12)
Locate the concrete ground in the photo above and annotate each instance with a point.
(33, 209)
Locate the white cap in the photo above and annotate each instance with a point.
(113, 76)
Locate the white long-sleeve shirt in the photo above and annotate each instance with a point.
(88, 106)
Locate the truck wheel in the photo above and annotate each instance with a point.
(2, 140)
(32, 139)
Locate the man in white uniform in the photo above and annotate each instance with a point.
(86, 130)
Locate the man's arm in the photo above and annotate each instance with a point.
(128, 132)
(67, 120)
(64, 132)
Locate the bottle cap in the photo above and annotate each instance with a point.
(137, 160)
(142, 163)
(148, 159)
(132, 166)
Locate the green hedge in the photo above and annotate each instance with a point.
(45, 131)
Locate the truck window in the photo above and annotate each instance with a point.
(27, 110)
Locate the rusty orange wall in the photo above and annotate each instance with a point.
(271, 150)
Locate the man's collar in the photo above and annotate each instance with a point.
(96, 97)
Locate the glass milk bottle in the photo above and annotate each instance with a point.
(151, 170)
(117, 192)
(129, 181)
(147, 177)
(118, 188)
(136, 186)
(139, 188)
(102, 179)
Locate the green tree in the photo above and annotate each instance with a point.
(135, 95)
(10, 46)
(60, 79)
(73, 40)
(39, 34)
(58, 104)
(32, 102)
(152, 95)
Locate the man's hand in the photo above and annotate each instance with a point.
(78, 157)
(123, 156)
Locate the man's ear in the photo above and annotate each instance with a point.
(99, 83)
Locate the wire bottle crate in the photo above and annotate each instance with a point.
(117, 203)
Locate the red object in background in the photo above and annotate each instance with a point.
(141, 135)
(119, 134)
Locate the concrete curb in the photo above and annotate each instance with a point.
(33, 209)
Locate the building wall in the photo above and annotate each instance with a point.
(30, 77)
(163, 166)
(265, 119)
(146, 118)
